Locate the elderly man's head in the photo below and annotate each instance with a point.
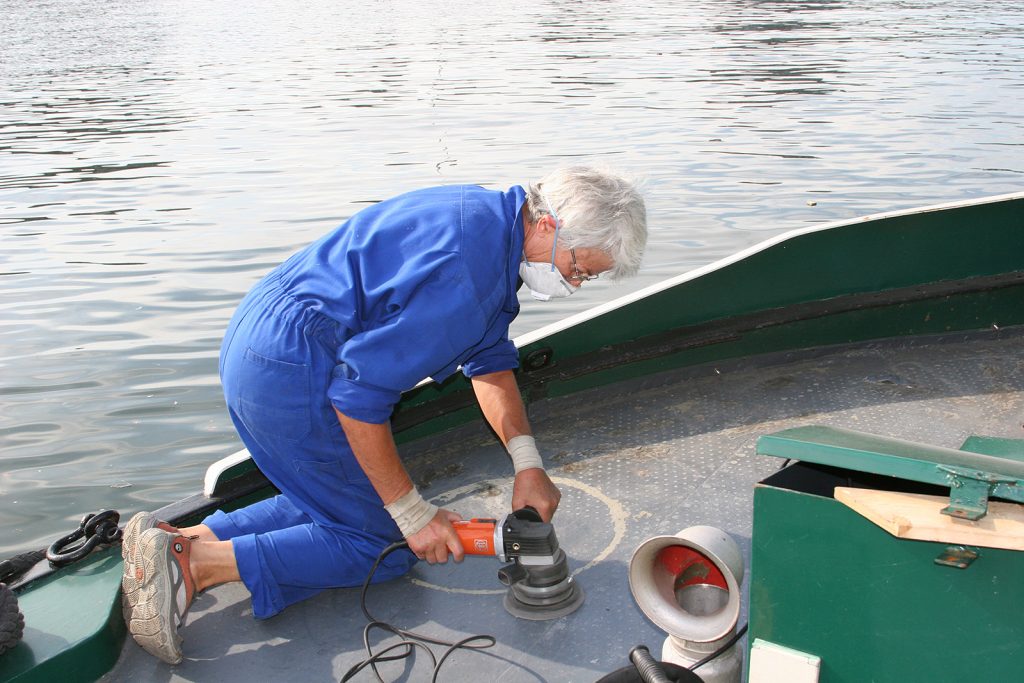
(601, 219)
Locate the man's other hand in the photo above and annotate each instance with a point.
(533, 487)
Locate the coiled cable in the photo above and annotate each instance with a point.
(410, 639)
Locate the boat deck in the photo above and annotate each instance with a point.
(633, 461)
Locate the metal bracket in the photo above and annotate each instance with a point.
(969, 491)
(956, 556)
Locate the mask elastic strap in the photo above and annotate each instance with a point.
(558, 226)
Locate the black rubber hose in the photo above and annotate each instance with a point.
(12, 622)
(649, 669)
(673, 673)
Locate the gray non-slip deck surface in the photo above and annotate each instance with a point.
(632, 462)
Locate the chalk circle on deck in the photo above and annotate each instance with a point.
(589, 526)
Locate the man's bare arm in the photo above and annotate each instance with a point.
(502, 405)
(374, 448)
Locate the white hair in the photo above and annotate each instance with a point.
(598, 209)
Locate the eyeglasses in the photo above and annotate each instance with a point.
(576, 274)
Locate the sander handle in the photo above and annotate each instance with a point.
(483, 536)
(478, 536)
(528, 513)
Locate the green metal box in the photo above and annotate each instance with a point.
(826, 581)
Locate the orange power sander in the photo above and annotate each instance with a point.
(537, 576)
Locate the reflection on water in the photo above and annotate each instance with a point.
(156, 159)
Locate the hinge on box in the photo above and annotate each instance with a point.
(969, 491)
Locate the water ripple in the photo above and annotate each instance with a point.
(156, 159)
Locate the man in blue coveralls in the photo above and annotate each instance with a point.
(320, 351)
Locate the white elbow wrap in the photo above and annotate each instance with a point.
(411, 513)
(524, 453)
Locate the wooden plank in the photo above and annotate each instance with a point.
(918, 517)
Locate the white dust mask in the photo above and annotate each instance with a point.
(544, 281)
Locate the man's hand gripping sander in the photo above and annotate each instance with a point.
(539, 585)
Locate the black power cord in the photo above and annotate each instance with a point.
(720, 651)
(410, 640)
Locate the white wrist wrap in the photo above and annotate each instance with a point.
(524, 453)
(411, 513)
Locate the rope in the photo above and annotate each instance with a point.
(12, 622)
(19, 564)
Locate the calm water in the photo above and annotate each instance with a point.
(157, 158)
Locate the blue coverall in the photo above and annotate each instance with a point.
(406, 289)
